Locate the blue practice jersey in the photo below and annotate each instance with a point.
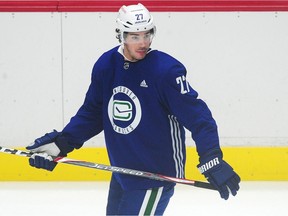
(143, 108)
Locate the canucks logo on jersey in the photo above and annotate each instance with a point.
(124, 110)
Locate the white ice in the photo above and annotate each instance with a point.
(89, 198)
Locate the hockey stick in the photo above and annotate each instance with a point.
(114, 169)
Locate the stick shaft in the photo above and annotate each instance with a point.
(114, 169)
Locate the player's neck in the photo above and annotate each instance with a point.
(121, 51)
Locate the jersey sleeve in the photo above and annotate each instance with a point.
(88, 121)
(182, 101)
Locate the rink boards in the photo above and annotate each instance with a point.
(252, 163)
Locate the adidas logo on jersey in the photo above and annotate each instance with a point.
(143, 84)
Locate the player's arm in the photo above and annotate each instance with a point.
(194, 114)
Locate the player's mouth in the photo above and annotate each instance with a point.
(142, 51)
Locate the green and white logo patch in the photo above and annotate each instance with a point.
(124, 112)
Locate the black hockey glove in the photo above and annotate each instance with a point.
(219, 173)
(45, 147)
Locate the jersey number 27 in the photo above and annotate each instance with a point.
(181, 80)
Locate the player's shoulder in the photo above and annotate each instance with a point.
(166, 63)
(109, 55)
(165, 60)
(106, 60)
(164, 56)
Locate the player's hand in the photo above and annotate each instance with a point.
(44, 147)
(42, 161)
(219, 173)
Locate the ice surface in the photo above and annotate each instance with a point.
(89, 198)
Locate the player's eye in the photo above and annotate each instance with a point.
(135, 38)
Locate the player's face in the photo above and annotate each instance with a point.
(136, 45)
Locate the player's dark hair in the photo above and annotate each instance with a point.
(118, 35)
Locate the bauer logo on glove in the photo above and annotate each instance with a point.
(208, 165)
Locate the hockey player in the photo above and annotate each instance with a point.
(142, 100)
